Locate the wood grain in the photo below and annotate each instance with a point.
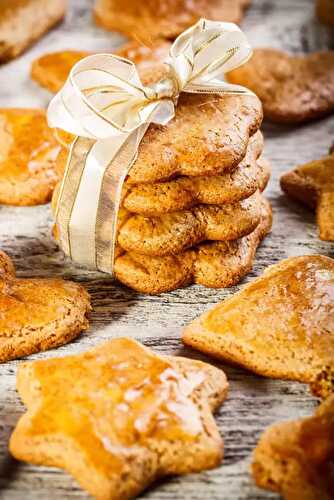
(253, 402)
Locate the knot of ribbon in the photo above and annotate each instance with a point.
(105, 105)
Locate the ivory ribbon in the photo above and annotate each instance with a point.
(104, 104)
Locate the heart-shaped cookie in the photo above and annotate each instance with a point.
(281, 325)
(38, 314)
(292, 88)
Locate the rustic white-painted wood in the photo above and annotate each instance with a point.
(253, 402)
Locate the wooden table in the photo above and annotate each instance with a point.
(253, 402)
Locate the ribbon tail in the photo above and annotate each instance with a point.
(108, 220)
(70, 185)
(90, 198)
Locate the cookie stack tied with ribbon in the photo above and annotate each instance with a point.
(163, 181)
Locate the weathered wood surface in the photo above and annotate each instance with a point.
(253, 402)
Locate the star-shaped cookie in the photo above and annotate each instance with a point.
(38, 314)
(127, 417)
(313, 185)
(295, 458)
(280, 325)
(293, 89)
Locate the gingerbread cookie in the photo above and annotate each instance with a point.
(216, 264)
(127, 417)
(325, 11)
(22, 22)
(295, 459)
(172, 233)
(165, 19)
(183, 193)
(292, 88)
(51, 70)
(38, 314)
(281, 325)
(28, 151)
(313, 185)
(209, 135)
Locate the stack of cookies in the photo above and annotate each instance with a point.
(192, 207)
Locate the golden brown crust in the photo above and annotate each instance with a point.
(294, 458)
(28, 152)
(22, 22)
(208, 136)
(51, 70)
(183, 193)
(292, 88)
(325, 11)
(164, 19)
(127, 418)
(313, 185)
(281, 325)
(174, 232)
(38, 314)
(215, 264)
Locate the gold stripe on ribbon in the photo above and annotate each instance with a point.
(76, 163)
(110, 199)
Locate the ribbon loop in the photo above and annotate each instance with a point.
(105, 105)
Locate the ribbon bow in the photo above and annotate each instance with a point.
(105, 105)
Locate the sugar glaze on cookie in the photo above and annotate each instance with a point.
(127, 417)
(281, 325)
